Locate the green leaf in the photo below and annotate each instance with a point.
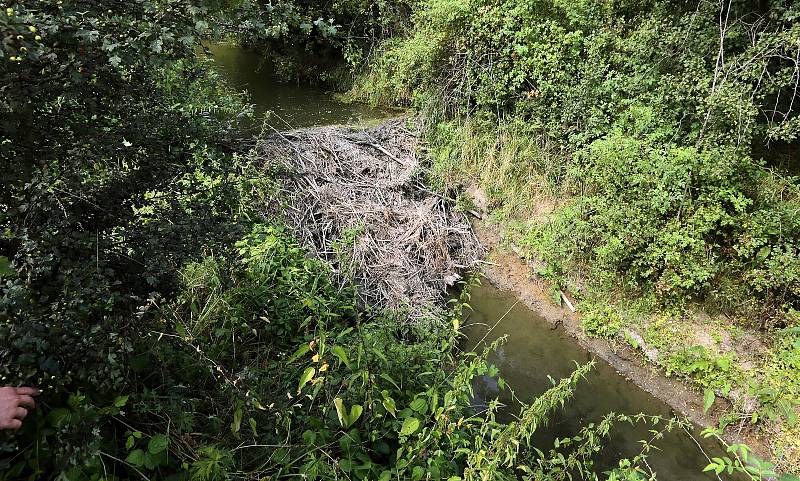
(419, 405)
(355, 413)
(5, 267)
(708, 399)
(136, 458)
(790, 330)
(339, 352)
(417, 473)
(158, 443)
(341, 412)
(410, 425)
(307, 375)
(236, 425)
(120, 401)
(389, 405)
(346, 420)
(59, 417)
(299, 352)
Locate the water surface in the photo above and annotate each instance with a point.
(534, 350)
(291, 106)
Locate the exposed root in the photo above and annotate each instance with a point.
(357, 200)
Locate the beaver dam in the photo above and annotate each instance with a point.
(357, 199)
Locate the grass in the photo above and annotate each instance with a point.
(524, 179)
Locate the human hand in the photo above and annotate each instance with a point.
(15, 402)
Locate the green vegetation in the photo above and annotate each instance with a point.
(639, 150)
(177, 333)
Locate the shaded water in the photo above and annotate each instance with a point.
(292, 106)
(534, 350)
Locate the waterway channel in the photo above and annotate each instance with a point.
(534, 351)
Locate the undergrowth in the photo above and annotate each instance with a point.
(647, 147)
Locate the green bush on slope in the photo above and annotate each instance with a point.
(641, 96)
(646, 146)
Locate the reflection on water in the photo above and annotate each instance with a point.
(292, 106)
(533, 351)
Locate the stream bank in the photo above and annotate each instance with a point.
(357, 198)
(506, 270)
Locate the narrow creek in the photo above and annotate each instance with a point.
(533, 350)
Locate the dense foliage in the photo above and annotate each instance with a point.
(176, 333)
(676, 124)
(317, 41)
(640, 149)
(157, 317)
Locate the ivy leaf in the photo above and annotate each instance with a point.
(410, 425)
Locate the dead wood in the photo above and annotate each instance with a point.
(357, 199)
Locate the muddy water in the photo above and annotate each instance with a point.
(291, 106)
(534, 350)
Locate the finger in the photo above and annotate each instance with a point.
(20, 413)
(26, 401)
(27, 391)
(13, 424)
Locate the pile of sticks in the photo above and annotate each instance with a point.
(357, 199)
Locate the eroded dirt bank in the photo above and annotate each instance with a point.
(507, 270)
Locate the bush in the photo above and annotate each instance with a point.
(670, 172)
(677, 220)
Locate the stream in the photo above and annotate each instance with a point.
(290, 106)
(533, 350)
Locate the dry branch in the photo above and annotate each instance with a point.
(356, 200)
